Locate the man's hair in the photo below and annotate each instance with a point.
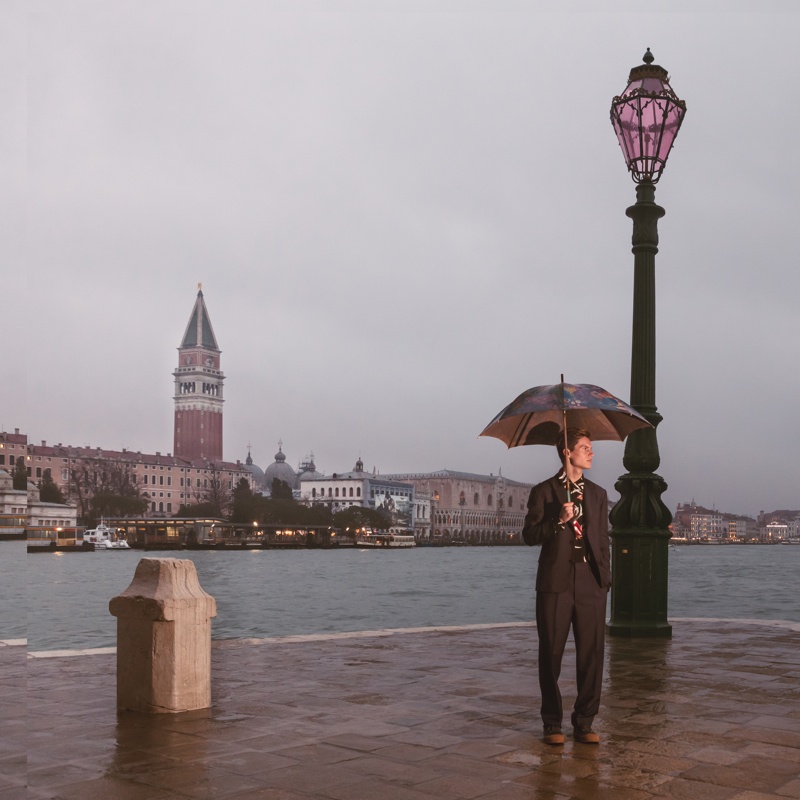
(573, 434)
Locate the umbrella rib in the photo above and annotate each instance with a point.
(520, 429)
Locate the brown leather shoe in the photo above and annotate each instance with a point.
(585, 735)
(553, 735)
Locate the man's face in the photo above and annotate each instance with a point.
(581, 455)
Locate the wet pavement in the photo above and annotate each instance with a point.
(447, 713)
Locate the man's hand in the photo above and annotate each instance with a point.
(567, 513)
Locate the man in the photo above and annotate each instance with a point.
(572, 584)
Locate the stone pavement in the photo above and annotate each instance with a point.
(447, 713)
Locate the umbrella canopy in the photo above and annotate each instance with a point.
(539, 415)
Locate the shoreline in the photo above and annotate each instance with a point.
(218, 644)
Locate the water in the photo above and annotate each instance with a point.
(274, 593)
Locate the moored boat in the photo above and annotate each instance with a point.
(104, 538)
(394, 537)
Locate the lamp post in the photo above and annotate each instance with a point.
(646, 119)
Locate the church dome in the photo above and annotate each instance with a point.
(254, 470)
(308, 470)
(281, 470)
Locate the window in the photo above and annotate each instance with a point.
(358, 491)
(160, 480)
(313, 492)
(337, 491)
(351, 491)
(476, 499)
(38, 472)
(169, 506)
(489, 500)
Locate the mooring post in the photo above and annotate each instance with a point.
(163, 639)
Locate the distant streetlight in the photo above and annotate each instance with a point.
(646, 118)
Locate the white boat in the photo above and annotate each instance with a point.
(394, 537)
(104, 538)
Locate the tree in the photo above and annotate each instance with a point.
(216, 495)
(281, 490)
(359, 517)
(20, 474)
(49, 492)
(245, 506)
(197, 510)
(106, 504)
(106, 488)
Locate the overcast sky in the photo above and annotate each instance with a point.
(403, 214)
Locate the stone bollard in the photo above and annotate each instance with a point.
(163, 639)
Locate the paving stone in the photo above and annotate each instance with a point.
(417, 716)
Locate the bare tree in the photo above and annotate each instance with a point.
(103, 487)
(218, 493)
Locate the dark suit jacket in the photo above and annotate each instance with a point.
(544, 506)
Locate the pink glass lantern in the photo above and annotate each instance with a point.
(646, 118)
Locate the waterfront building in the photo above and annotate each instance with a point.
(340, 491)
(741, 529)
(699, 522)
(786, 516)
(198, 390)
(13, 507)
(471, 508)
(22, 509)
(776, 532)
(13, 446)
(163, 480)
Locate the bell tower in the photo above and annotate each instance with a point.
(198, 389)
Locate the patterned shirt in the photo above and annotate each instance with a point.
(575, 492)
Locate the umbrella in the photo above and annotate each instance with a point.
(542, 414)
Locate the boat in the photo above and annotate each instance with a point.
(394, 537)
(104, 538)
(48, 539)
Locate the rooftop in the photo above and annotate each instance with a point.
(416, 715)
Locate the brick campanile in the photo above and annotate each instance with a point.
(198, 389)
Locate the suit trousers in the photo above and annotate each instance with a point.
(582, 606)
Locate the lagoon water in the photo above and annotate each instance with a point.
(60, 601)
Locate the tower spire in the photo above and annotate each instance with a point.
(198, 389)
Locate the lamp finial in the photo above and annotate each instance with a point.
(648, 57)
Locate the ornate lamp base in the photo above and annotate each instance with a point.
(640, 559)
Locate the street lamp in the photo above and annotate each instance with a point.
(646, 118)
